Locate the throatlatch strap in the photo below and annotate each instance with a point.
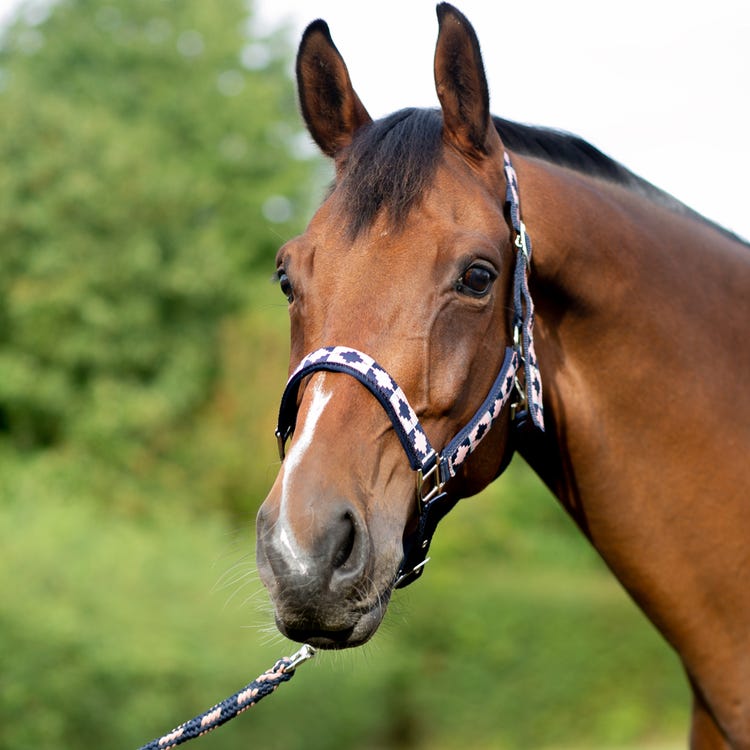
(523, 305)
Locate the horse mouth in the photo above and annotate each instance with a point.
(348, 631)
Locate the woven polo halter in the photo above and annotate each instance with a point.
(435, 468)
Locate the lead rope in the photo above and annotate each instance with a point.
(264, 685)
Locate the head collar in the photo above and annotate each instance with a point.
(435, 468)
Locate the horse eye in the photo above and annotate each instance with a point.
(286, 285)
(475, 281)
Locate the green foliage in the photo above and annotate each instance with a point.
(150, 168)
(104, 635)
(115, 629)
(142, 145)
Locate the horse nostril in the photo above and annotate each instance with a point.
(348, 551)
(347, 539)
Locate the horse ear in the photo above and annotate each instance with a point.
(330, 106)
(462, 85)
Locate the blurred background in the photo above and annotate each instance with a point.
(152, 162)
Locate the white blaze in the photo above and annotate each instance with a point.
(303, 441)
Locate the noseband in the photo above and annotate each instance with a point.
(435, 468)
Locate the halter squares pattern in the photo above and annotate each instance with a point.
(422, 456)
(365, 369)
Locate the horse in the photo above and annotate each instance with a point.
(612, 355)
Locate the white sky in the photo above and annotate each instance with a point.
(661, 85)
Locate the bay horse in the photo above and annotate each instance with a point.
(614, 357)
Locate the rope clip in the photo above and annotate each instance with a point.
(304, 654)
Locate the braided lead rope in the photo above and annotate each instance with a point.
(264, 685)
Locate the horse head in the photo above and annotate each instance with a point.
(411, 335)
(410, 260)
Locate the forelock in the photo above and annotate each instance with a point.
(390, 164)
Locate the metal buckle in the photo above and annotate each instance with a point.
(422, 479)
(519, 406)
(522, 243)
(410, 575)
(281, 442)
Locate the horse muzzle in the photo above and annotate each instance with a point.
(323, 588)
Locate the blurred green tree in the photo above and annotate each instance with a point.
(151, 161)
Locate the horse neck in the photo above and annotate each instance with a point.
(641, 316)
(638, 308)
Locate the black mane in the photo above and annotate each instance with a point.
(565, 150)
(393, 160)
